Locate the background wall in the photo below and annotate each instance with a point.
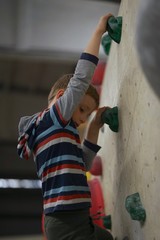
(131, 157)
(40, 40)
(35, 49)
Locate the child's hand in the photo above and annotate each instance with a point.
(102, 24)
(96, 121)
(95, 125)
(95, 41)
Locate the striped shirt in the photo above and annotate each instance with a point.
(53, 138)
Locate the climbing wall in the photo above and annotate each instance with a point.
(131, 157)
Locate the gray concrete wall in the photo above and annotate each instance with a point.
(131, 157)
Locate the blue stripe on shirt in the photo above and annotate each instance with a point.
(66, 189)
(89, 57)
(94, 147)
(60, 159)
(67, 179)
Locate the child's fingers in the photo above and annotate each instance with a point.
(98, 115)
(105, 20)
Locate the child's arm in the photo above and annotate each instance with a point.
(95, 41)
(89, 146)
(94, 126)
(79, 83)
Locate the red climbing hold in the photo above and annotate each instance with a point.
(97, 209)
(96, 168)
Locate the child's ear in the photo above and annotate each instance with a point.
(59, 93)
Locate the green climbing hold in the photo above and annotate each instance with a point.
(107, 222)
(114, 27)
(106, 43)
(110, 117)
(134, 207)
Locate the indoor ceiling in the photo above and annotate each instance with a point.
(41, 40)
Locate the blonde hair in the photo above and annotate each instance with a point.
(62, 83)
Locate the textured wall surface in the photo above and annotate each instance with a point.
(131, 157)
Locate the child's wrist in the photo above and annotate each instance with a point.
(99, 32)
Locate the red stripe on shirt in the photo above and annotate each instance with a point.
(62, 166)
(56, 136)
(68, 197)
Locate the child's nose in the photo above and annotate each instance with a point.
(83, 119)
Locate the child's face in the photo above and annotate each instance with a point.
(84, 110)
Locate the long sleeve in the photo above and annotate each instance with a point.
(89, 152)
(77, 86)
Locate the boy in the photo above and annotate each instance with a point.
(61, 162)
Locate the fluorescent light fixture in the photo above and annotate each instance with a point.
(20, 183)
